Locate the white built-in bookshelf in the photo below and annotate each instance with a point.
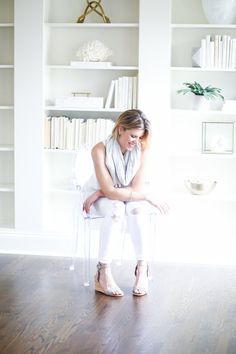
(38, 40)
(186, 158)
(69, 129)
(6, 113)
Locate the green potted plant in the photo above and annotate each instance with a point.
(203, 96)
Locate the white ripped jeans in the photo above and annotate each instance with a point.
(114, 212)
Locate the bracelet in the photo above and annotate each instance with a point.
(130, 196)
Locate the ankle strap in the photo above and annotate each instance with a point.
(142, 263)
(101, 266)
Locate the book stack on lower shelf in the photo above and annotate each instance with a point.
(72, 134)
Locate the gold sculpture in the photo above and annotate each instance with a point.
(94, 5)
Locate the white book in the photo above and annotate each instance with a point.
(110, 125)
(135, 92)
(129, 92)
(224, 51)
(218, 50)
(116, 98)
(103, 131)
(230, 53)
(94, 132)
(73, 121)
(69, 133)
(233, 55)
(77, 127)
(110, 95)
(220, 54)
(60, 142)
(120, 93)
(208, 51)
(55, 133)
(47, 133)
(52, 138)
(64, 132)
(83, 133)
(228, 39)
(212, 54)
(203, 53)
(90, 127)
(125, 92)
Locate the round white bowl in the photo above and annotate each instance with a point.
(200, 187)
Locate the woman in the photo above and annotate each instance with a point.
(117, 189)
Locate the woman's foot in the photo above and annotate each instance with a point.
(104, 282)
(141, 283)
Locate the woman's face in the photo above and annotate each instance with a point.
(128, 138)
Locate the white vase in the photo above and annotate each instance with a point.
(219, 11)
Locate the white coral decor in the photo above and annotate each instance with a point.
(94, 51)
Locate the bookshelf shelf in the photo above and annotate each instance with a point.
(69, 109)
(7, 188)
(92, 25)
(116, 68)
(197, 154)
(194, 113)
(6, 25)
(6, 148)
(6, 108)
(190, 68)
(212, 197)
(201, 26)
(6, 66)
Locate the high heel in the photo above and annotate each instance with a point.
(143, 289)
(113, 289)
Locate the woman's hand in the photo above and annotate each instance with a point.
(163, 207)
(91, 200)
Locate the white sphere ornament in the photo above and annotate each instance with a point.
(94, 51)
(219, 11)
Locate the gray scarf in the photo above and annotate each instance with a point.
(122, 168)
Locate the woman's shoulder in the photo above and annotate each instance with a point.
(98, 148)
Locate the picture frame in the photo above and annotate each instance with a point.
(218, 137)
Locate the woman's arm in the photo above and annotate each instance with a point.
(91, 200)
(134, 192)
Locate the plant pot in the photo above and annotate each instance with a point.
(200, 103)
(219, 11)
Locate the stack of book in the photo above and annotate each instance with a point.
(122, 93)
(218, 52)
(72, 134)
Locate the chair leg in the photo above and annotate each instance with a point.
(87, 245)
(75, 245)
(153, 230)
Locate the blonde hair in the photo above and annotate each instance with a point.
(134, 119)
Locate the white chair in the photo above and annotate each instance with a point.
(84, 223)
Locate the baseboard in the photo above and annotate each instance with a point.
(56, 244)
(21, 242)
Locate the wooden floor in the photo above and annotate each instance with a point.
(44, 308)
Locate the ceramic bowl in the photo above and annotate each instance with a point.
(200, 187)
